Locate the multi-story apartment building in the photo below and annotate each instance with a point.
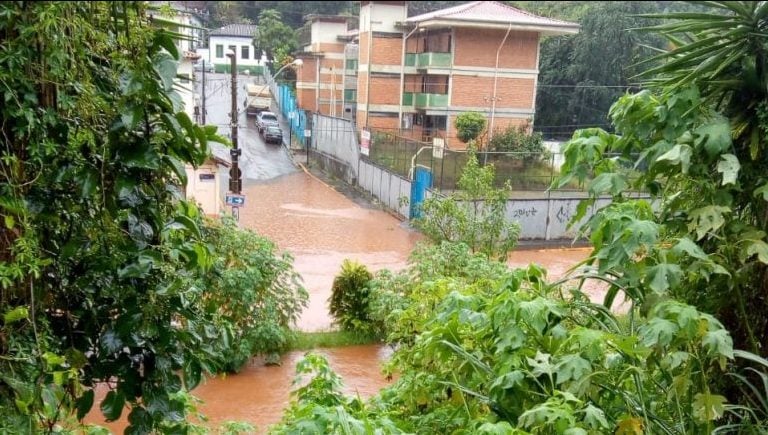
(416, 74)
(322, 78)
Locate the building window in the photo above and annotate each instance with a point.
(219, 51)
(244, 52)
(233, 49)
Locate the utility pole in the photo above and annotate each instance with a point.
(202, 112)
(235, 181)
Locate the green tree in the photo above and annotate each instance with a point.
(701, 135)
(348, 303)
(98, 252)
(274, 37)
(473, 215)
(469, 126)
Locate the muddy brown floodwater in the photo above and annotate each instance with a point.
(320, 228)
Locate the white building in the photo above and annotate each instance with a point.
(238, 38)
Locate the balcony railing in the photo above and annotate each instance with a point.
(423, 101)
(428, 60)
(305, 36)
(407, 98)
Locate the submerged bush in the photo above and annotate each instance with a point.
(348, 303)
(252, 294)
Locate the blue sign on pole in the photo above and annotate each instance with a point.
(235, 200)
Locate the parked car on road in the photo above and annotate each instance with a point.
(198, 66)
(265, 119)
(273, 134)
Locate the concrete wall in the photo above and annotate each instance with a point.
(337, 138)
(386, 187)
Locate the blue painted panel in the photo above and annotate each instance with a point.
(422, 180)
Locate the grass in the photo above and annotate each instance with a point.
(313, 340)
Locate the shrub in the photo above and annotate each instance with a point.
(516, 139)
(474, 215)
(469, 125)
(349, 297)
(252, 295)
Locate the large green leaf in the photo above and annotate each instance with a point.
(678, 155)
(84, 404)
(714, 137)
(112, 405)
(15, 315)
(662, 277)
(707, 219)
(708, 407)
(729, 166)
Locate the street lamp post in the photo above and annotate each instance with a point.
(235, 180)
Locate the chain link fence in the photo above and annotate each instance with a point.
(530, 174)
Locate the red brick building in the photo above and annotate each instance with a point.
(416, 74)
(320, 80)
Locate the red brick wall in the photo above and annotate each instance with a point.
(362, 83)
(384, 90)
(363, 48)
(308, 71)
(331, 47)
(305, 98)
(477, 47)
(513, 93)
(386, 51)
(382, 122)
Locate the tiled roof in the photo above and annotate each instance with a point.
(242, 30)
(491, 12)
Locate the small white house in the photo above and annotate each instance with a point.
(238, 38)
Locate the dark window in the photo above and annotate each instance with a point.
(219, 51)
(244, 52)
(233, 48)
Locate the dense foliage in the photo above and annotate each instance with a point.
(348, 303)
(475, 214)
(469, 126)
(485, 349)
(251, 298)
(105, 271)
(699, 136)
(527, 145)
(274, 37)
(582, 75)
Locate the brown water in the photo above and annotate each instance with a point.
(259, 393)
(320, 228)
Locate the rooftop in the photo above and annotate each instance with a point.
(491, 14)
(241, 30)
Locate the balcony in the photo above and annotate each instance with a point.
(428, 60)
(407, 98)
(427, 101)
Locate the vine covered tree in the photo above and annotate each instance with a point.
(100, 258)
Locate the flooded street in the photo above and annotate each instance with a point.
(320, 228)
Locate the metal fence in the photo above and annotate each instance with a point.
(529, 174)
(286, 103)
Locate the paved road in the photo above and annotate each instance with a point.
(259, 161)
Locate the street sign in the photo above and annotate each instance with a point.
(235, 200)
(236, 213)
(307, 133)
(438, 145)
(365, 142)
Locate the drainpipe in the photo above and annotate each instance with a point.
(402, 76)
(495, 81)
(370, 64)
